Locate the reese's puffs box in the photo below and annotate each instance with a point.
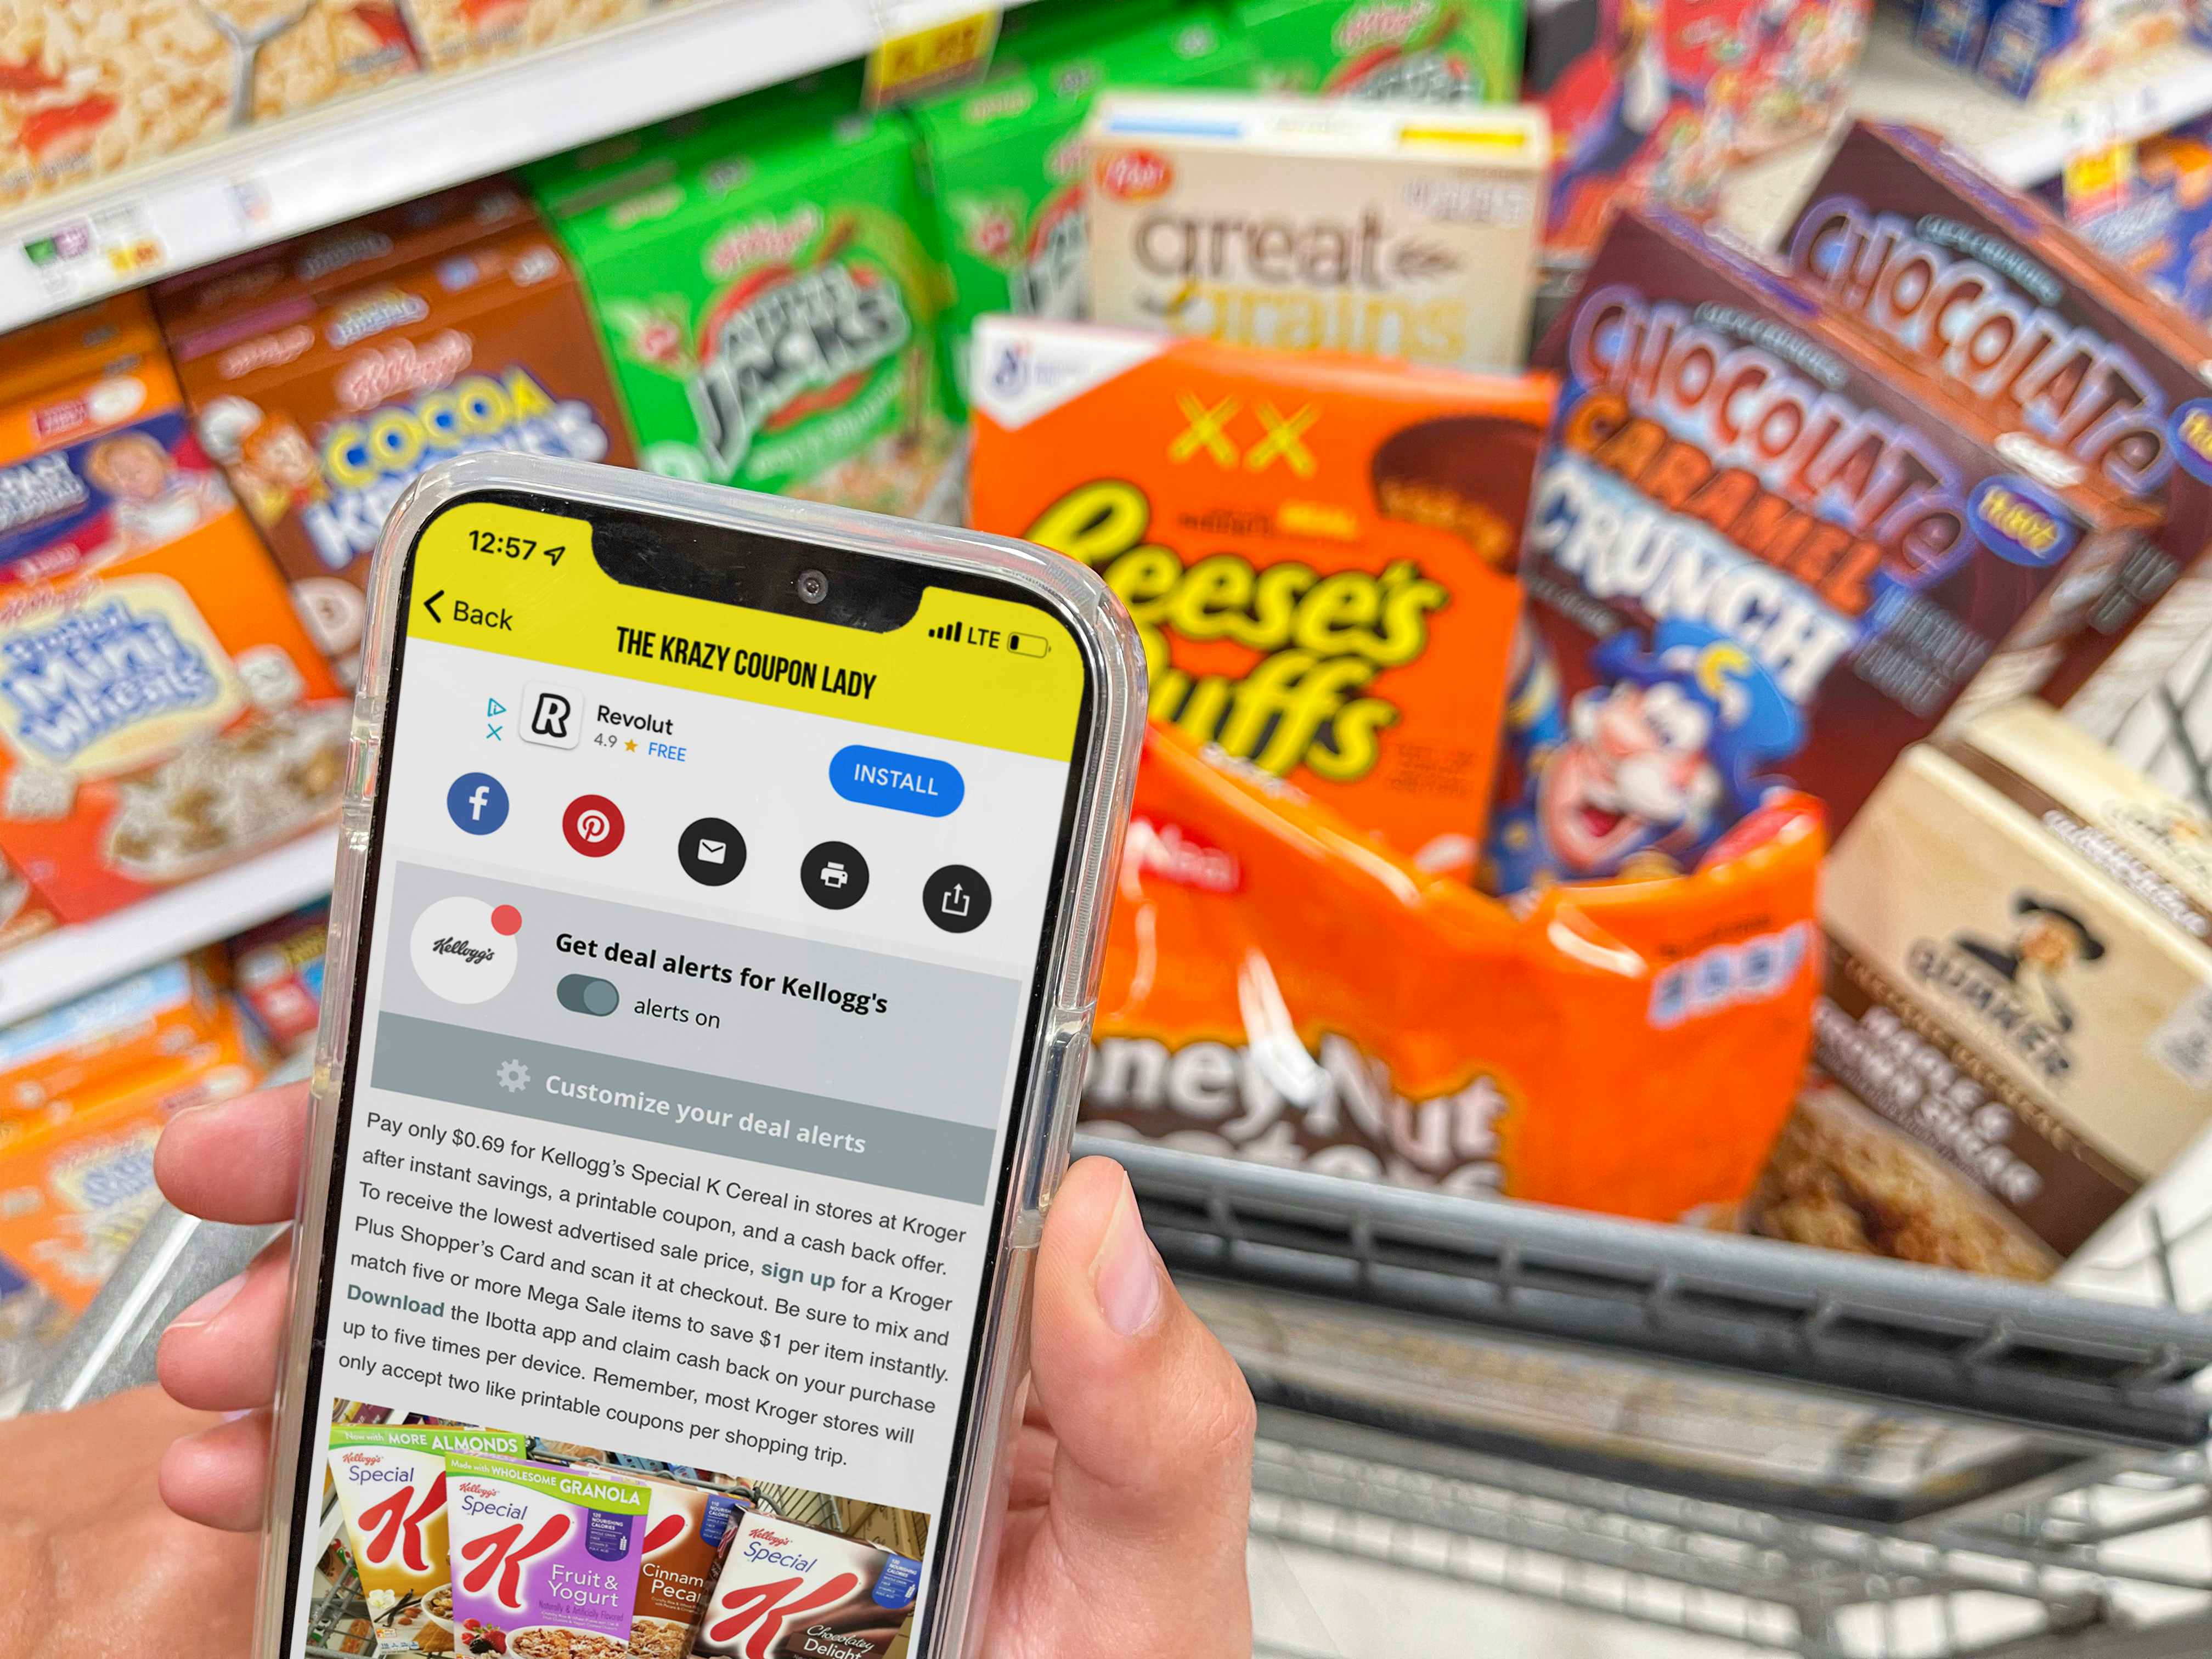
(1317, 550)
(1987, 290)
(161, 711)
(1765, 551)
(1277, 988)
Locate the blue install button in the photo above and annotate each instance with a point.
(905, 783)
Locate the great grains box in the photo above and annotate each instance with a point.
(1317, 550)
(1392, 231)
(1763, 550)
(1985, 290)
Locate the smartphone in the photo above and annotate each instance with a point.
(719, 904)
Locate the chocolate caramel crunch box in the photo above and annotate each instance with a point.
(1764, 550)
(1988, 292)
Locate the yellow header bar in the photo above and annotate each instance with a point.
(966, 668)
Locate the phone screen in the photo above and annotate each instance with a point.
(700, 961)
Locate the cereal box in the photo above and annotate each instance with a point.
(1318, 550)
(2016, 1034)
(2036, 48)
(395, 1501)
(24, 915)
(156, 1013)
(854, 1598)
(1348, 227)
(462, 34)
(1986, 291)
(1764, 551)
(1006, 171)
(162, 712)
(77, 1177)
(325, 402)
(218, 305)
(770, 313)
(544, 1556)
(277, 971)
(1430, 51)
(93, 86)
(1662, 97)
(685, 1531)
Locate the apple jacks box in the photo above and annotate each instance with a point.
(1763, 551)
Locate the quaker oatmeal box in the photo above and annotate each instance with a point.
(1386, 230)
(1986, 291)
(324, 405)
(787, 1591)
(1763, 550)
(685, 1530)
(2015, 1039)
(162, 712)
(1318, 549)
(395, 1501)
(770, 314)
(546, 1559)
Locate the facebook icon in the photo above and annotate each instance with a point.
(477, 802)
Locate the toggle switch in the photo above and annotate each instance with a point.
(581, 993)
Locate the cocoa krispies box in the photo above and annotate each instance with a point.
(324, 399)
(1986, 291)
(161, 711)
(1762, 549)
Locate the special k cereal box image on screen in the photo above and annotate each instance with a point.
(161, 711)
(544, 1556)
(1318, 549)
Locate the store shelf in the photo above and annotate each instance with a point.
(420, 136)
(2024, 143)
(74, 960)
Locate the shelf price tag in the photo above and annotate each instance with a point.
(921, 60)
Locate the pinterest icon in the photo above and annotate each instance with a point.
(594, 825)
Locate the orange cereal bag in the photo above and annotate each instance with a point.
(1278, 988)
(161, 711)
(1318, 549)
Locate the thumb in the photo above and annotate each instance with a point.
(1152, 1479)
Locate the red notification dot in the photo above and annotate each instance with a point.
(507, 920)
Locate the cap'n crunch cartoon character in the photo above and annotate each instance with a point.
(1645, 769)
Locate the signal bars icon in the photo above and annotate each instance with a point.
(946, 631)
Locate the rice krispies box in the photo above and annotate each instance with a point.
(1763, 551)
(161, 711)
(325, 402)
(1318, 549)
(1427, 52)
(1984, 290)
(770, 314)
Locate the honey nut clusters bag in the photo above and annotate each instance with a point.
(1281, 987)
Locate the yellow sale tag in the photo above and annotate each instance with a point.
(948, 54)
(2098, 180)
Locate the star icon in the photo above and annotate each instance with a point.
(631, 745)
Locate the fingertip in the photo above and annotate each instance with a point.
(236, 1160)
(216, 1477)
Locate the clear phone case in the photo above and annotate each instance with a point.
(952, 1623)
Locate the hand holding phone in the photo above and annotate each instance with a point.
(712, 957)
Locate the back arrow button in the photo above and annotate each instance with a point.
(430, 604)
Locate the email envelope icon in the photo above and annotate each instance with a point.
(713, 852)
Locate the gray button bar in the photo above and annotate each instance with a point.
(574, 1087)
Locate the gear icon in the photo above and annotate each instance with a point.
(514, 1076)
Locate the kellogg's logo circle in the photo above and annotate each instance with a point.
(2017, 521)
(2190, 427)
(463, 949)
(1135, 175)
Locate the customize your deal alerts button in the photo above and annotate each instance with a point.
(903, 782)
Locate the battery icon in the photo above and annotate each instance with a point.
(1027, 645)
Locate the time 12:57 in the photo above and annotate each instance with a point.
(513, 547)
